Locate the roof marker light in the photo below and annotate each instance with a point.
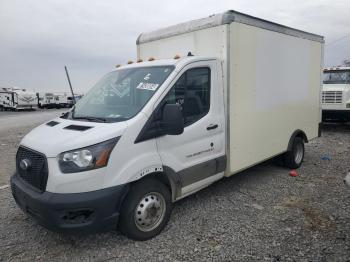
(130, 62)
(177, 57)
(151, 59)
(117, 66)
(139, 60)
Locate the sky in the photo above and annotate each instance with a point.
(39, 37)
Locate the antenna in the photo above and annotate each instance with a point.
(70, 84)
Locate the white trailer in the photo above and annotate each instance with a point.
(3, 94)
(61, 100)
(148, 134)
(25, 99)
(46, 100)
(336, 94)
(8, 99)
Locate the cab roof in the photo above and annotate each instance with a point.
(167, 62)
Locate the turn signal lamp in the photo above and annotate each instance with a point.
(103, 159)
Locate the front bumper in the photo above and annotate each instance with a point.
(342, 115)
(88, 212)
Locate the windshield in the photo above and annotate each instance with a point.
(121, 94)
(336, 77)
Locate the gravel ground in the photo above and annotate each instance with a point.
(261, 214)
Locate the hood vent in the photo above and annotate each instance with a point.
(78, 128)
(52, 123)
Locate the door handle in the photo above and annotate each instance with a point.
(212, 126)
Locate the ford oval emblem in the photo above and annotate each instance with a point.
(25, 164)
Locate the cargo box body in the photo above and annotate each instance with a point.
(272, 77)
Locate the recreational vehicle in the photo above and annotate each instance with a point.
(7, 99)
(25, 99)
(53, 100)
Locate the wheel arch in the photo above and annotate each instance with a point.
(297, 133)
(168, 177)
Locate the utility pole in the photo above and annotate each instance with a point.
(70, 84)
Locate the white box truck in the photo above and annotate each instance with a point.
(243, 90)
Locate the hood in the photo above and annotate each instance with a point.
(60, 135)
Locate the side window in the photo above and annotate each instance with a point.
(192, 92)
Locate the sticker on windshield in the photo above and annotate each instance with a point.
(147, 77)
(147, 86)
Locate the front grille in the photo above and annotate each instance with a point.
(332, 97)
(37, 172)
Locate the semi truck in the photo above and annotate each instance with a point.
(336, 93)
(205, 100)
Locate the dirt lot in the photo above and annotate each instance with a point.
(261, 214)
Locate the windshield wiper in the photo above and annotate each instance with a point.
(91, 118)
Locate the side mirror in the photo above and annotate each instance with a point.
(172, 119)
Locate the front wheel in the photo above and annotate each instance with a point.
(146, 210)
(294, 158)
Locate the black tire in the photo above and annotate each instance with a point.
(138, 192)
(294, 158)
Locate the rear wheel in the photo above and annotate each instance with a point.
(294, 157)
(146, 210)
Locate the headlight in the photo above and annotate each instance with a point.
(87, 158)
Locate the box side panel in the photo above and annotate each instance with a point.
(274, 90)
(205, 42)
